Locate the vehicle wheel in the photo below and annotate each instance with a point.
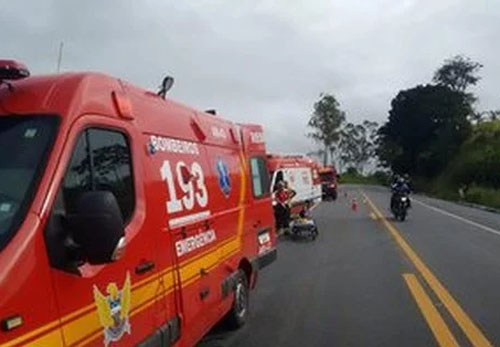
(314, 234)
(238, 315)
(334, 196)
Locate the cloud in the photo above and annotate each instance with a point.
(261, 61)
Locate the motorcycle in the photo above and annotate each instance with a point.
(400, 206)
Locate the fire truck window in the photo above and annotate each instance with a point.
(112, 169)
(260, 177)
(24, 145)
(101, 161)
(77, 179)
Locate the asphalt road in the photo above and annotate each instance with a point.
(371, 281)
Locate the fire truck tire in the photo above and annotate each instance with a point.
(238, 314)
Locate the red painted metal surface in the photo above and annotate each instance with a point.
(212, 156)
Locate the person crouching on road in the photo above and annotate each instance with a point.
(305, 213)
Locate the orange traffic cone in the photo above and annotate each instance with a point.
(354, 205)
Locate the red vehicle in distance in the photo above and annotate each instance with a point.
(329, 182)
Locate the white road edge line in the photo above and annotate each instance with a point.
(462, 219)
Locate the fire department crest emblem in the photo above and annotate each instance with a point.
(113, 310)
(224, 178)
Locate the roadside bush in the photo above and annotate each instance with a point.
(381, 177)
(483, 196)
(474, 173)
(354, 179)
(377, 178)
(352, 171)
(478, 161)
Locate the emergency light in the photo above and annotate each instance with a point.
(12, 70)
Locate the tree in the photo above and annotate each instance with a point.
(493, 115)
(426, 126)
(457, 73)
(369, 143)
(352, 171)
(317, 154)
(325, 122)
(348, 147)
(484, 116)
(357, 144)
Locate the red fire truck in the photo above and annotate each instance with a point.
(329, 182)
(125, 218)
(301, 173)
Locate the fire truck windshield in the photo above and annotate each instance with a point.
(24, 145)
(327, 176)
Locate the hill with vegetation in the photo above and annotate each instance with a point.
(473, 174)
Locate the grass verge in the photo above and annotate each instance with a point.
(360, 179)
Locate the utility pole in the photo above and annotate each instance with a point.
(59, 58)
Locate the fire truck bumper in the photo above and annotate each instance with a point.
(267, 258)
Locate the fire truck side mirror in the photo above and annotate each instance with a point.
(97, 227)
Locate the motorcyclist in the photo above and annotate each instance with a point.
(408, 181)
(394, 180)
(400, 187)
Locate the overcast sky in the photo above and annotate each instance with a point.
(262, 61)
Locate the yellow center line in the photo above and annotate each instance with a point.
(471, 330)
(436, 323)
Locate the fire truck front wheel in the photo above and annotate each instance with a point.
(238, 314)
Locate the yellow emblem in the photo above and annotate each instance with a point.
(113, 310)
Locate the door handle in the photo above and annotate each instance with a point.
(183, 232)
(144, 267)
(204, 293)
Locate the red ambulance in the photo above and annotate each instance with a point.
(301, 173)
(125, 219)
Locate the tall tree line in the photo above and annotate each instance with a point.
(426, 127)
(344, 143)
(427, 124)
